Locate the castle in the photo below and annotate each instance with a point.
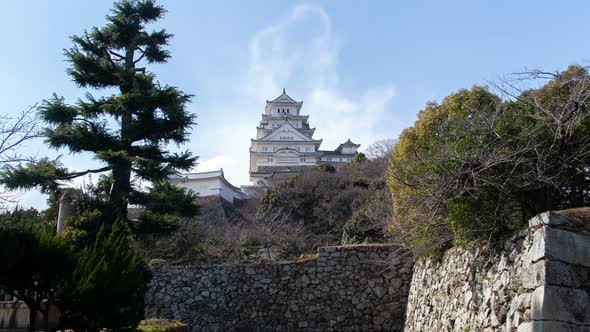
(283, 147)
(284, 144)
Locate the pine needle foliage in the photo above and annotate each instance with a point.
(130, 125)
(108, 285)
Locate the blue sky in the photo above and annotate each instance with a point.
(363, 68)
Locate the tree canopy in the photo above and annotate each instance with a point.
(34, 266)
(477, 166)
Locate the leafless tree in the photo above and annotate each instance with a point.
(380, 149)
(14, 132)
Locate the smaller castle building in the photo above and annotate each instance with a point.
(207, 184)
(284, 144)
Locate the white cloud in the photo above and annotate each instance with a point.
(300, 53)
(214, 163)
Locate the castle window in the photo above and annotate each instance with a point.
(329, 159)
(302, 160)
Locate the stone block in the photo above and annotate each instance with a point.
(533, 275)
(536, 251)
(548, 219)
(568, 247)
(551, 326)
(561, 304)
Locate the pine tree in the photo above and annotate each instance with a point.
(128, 130)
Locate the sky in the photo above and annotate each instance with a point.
(363, 69)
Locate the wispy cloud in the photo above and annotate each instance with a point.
(300, 52)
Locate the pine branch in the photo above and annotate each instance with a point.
(88, 171)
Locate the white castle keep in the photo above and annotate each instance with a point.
(283, 147)
(284, 144)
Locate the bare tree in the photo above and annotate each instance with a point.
(380, 149)
(14, 132)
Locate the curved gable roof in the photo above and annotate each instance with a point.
(284, 98)
(286, 127)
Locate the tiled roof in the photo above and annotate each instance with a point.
(335, 153)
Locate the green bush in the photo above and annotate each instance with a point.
(108, 285)
(371, 210)
(154, 223)
(361, 181)
(162, 325)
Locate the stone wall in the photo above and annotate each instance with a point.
(538, 280)
(344, 288)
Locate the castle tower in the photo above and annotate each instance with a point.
(284, 144)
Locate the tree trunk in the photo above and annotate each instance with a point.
(32, 316)
(119, 193)
(122, 169)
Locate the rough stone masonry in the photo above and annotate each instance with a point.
(537, 280)
(344, 288)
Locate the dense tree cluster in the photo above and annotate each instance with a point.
(34, 266)
(477, 166)
(96, 286)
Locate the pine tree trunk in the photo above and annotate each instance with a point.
(119, 193)
(122, 170)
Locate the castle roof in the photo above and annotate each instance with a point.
(347, 143)
(198, 176)
(286, 127)
(284, 98)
